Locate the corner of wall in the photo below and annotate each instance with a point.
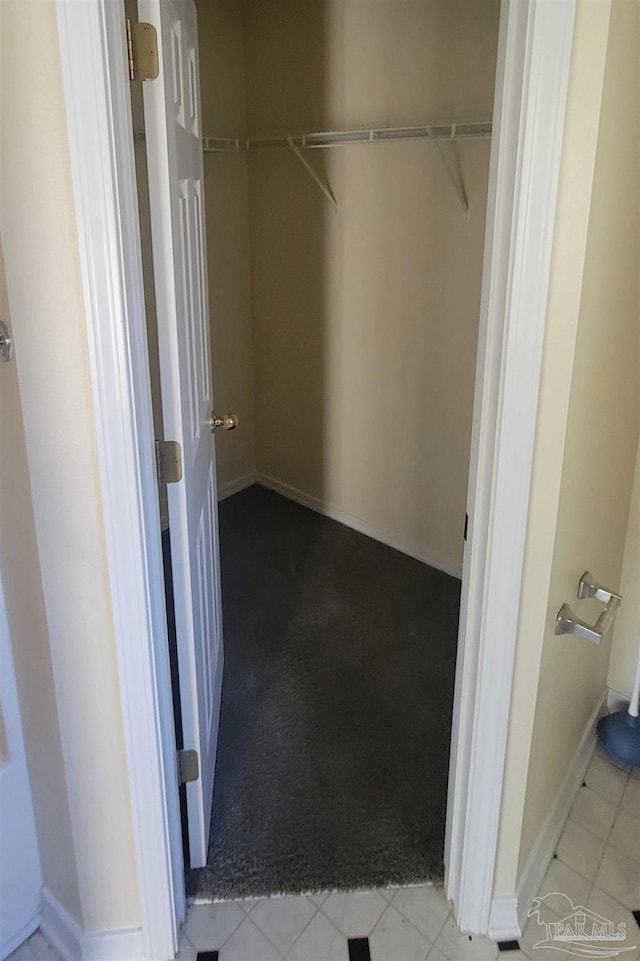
(67, 938)
(626, 636)
(59, 927)
(222, 77)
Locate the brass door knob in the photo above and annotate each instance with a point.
(226, 422)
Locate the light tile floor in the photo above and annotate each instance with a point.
(597, 865)
(35, 949)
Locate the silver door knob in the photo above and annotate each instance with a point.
(226, 422)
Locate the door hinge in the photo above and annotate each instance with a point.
(142, 51)
(188, 766)
(168, 461)
(466, 525)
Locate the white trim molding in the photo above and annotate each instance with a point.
(114, 945)
(59, 927)
(534, 56)
(509, 914)
(236, 485)
(503, 919)
(445, 564)
(616, 700)
(544, 846)
(96, 85)
(8, 947)
(66, 936)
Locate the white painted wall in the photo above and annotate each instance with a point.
(37, 222)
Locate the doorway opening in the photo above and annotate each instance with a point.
(333, 748)
(346, 340)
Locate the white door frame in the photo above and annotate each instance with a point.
(533, 67)
(534, 57)
(96, 86)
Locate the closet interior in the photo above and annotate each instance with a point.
(344, 336)
(346, 157)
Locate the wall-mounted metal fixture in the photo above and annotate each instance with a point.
(568, 623)
(6, 344)
(142, 50)
(168, 462)
(324, 186)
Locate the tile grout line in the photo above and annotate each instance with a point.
(618, 807)
(265, 935)
(318, 910)
(440, 929)
(295, 940)
(228, 938)
(615, 818)
(391, 901)
(186, 937)
(324, 913)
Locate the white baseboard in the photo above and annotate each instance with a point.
(441, 563)
(8, 947)
(236, 485)
(113, 945)
(503, 919)
(60, 928)
(616, 700)
(509, 914)
(233, 486)
(65, 935)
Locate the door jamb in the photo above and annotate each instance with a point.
(92, 38)
(534, 59)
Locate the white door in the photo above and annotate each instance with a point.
(176, 188)
(20, 878)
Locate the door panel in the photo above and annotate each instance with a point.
(176, 188)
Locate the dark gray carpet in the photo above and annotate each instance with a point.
(336, 707)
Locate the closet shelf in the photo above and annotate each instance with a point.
(338, 138)
(439, 133)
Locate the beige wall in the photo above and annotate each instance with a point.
(42, 270)
(587, 425)
(223, 111)
(20, 574)
(626, 637)
(365, 321)
(602, 431)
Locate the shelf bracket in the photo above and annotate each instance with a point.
(453, 168)
(324, 187)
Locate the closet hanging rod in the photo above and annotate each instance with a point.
(337, 138)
